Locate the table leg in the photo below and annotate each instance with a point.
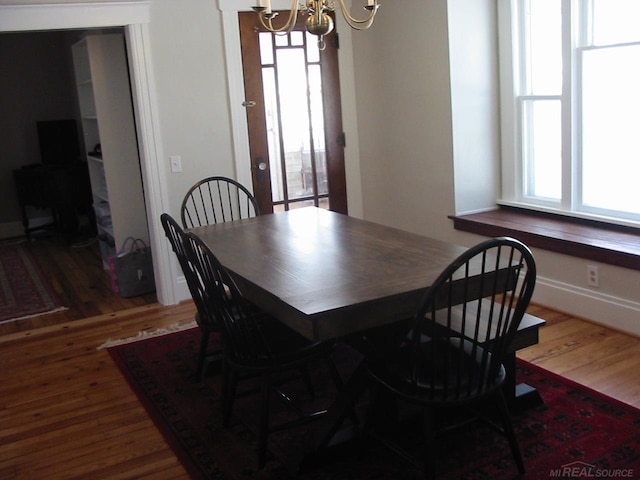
(342, 407)
(519, 396)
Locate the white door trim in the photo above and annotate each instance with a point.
(235, 80)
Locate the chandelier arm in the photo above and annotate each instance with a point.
(355, 23)
(288, 26)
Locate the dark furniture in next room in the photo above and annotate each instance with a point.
(65, 189)
(60, 183)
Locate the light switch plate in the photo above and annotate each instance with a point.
(176, 163)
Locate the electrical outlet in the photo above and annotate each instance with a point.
(593, 276)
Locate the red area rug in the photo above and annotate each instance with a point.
(24, 290)
(577, 434)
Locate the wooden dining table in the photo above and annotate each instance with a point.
(329, 276)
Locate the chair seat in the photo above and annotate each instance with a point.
(435, 382)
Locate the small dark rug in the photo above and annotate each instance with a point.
(578, 433)
(24, 290)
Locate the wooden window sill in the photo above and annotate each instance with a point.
(600, 242)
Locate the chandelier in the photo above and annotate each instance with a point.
(319, 22)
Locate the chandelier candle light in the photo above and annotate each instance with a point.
(319, 22)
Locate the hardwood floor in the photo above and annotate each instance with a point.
(66, 412)
(78, 277)
(599, 357)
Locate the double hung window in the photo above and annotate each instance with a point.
(570, 85)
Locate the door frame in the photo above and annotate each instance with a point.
(135, 17)
(239, 127)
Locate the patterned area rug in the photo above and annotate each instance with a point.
(577, 434)
(24, 290)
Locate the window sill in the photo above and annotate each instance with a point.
(600, 242)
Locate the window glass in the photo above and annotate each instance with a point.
(575, 116)
(611, 126)
(543, 149)
(544, 47)
(616, 21)
(297, 39)
(266, 48)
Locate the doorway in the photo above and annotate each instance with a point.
(70, 260)
(294, 117)
(134, 17)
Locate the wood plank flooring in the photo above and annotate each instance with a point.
(599, 357)
(66, 412)
(78, 277)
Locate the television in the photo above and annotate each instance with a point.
(58, 140)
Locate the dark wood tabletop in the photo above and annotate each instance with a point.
(325, 274)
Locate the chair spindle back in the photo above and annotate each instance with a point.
(468, 319)
(217, 200)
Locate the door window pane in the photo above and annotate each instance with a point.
(292, 82)
(266, 48)
(297, 39)
(273, 131)
(318, 138)
(313, 52)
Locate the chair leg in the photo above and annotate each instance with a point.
(225, 390)
(339, 384)
(306, 378)
(263, 429)
(369, 417)
(508, 430)
(429, 430)
(204, 343)
(229, 386)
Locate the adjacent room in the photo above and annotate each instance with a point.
(55, 197)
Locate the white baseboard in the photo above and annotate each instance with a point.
(614, 312)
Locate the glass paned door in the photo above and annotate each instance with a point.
(295, 123)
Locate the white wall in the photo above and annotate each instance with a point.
(404, 116)
(428, 120)
(190, 77)
(474, 97)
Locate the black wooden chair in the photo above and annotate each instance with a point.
(216, 200)
(255, 344)
(205, 317)
(452, 357)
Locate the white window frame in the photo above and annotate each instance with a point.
(511, 75)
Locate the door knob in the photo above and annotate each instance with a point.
(260, 167)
